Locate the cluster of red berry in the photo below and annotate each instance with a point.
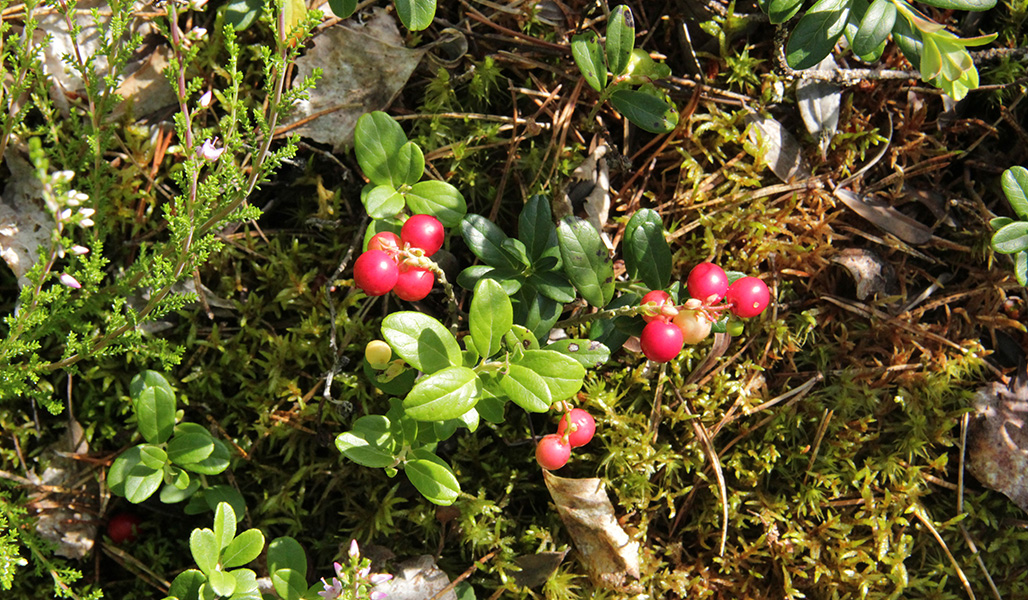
(391, 262)
(669, 327)
(576, 429)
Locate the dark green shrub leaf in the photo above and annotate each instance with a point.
(1012, 238)
(585, 48)
(289, 583)
(645, 110)
(217, 462)
(973, 5)
(131, 478)
(1015, 187)
(588, 353)
(370, 443)
(485, 239)
(816, 33)
(780, 11)
(190, 447)
(444, 395)
(536, 312)
(553, 285)
(908, 40)
(647, 254)
(620, 39)
(187, 584)
(535, 227)
(875, 27)
(526, 388)
(587, 262)
(155, 413)
(521, 337)
(425, 343)
(490, 406)
(245, 547)
(1000, 222)
(342, 8)
(515, 249)
(1021, 267)
(415, 14)
(204, 546)
(171, 494)
(376, 139)
(212, 497)
(490, 317)
(432, 477)
(439, 199)
(240, 14)
(562, 374)
(286, 553)
(382, 201)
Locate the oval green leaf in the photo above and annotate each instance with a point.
(646, 111)
(217, 462)
(536, 312)
(526, 388)
(425, 343)
(490, 317)
(485, 239)
(342, 8)
(432, 477)
(190, 448)
(415, 14)
(535, 227)
(245, 547)
(620, 39)
(585, 48)
(447, 394)
(370, 444)
(439, 199)
(587, 262)
(780, 11)
(1011, 238)
(875, 27)
(588, 353)
(171, 494)
(382, 201)
(187, 584)
(407, 165)
(1015, 187)
(205, 549)
(972, 5)
(155, 413)
(647, 254)
(286, 553)
(376, 139)
(562, 374)
(816, 33)
(224, 525)
(554, 286)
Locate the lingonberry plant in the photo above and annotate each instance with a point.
(1011, 235)
(443, 380)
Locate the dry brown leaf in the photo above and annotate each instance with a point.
(818, 102)
(417, 579)
(997, 438)
(610, 556)
(872, 274)
(363, 68)
(25, 224)
(147, 89)
(885, 217)
(68, 500)
(779, 150)
(536, 569)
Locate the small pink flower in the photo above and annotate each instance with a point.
(378, 578)
(70, 281)
(355, 550)
(205, 100)
(209, 152)
(331, 591)
(363, 573)
(78, 250)
(376, 595)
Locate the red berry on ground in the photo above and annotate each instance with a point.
(123, 527)
(585, 427)
(425, 232)
(386, 241)
(694, 325)
(413, 283)
(375, 272)
(661, 341)
(748, 297)
(552, 452)
(661, 299)
(707, 280)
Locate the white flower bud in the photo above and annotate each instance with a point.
(70, 281)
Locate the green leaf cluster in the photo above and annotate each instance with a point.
(1011, 235)
(647, 107)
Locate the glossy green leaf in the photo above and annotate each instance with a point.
(190, 447)
(131, 478)
(425, 343)
(645, 110)
(205, 549)
(342, 8)
(240, 14)
(972, 5)
(490, 317)
(536, 312)
(485, 239)
(224, 525)
(407, 165)
(908, 40)
(171, 494)
(1011, 238)
(585, 48)
(370, 443)
(1000, 222)
(246, 585)
(535, 227)
(245, 547)
(432, 477)
(553, 285)
(780, 11)
(217, 462)
(562, 374)
(492, 404)
(1015, 188)
(1021, 267)
(221, 582)
(470, 419)
(446, 394)
(382, 201)
(647, 254)
(187, 584)
(522, 337)
(439, 199)
(289, 583)
(286, 553)
(587, 262)
(588, 353)
(875, 27)
(620, 39)
(415, 14)
(376, 139)
(517, 252)
(526, 388)
(155, 413)
(816, 33)
(149, 379)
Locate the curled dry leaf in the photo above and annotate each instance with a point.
(588, 193)
(871, 273)
(610, 556)
(885, 217)
(818, 101)
(777, 148)
(25, 225)
(363, 68)
(536, 569)
(997, 438)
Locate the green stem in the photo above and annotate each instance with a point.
(625, 311)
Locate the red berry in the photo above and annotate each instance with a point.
(122, 527)
(386, 241)
(694, 325)
(748, 297)
(585, 427)
(662, 299)
(375, 272)
(425, 232)
(413, 283)
(661, 341)
(706, 280)
(552, 452)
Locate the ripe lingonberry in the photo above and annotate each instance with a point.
(663, 301)
(661, 341)
(378, 354)
(748, 297)
(552, 452)
(375, 272)
(386, 241)
(123, 527)
(694, 325)
(707, 282)
(413, 283)
(584, 427)
(425, 232)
